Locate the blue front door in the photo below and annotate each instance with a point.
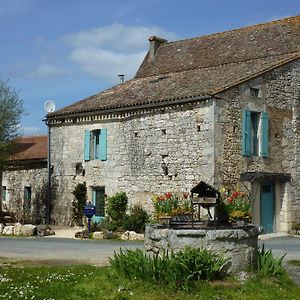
(98, 199)
(267, 207)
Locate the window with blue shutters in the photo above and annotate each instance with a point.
(95, 144)
(255, 134)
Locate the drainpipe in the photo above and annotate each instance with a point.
(48, 198)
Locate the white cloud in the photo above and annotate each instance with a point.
(117, 37)
(46, 71)
(107, 51)
(28, 130)
(107, 64)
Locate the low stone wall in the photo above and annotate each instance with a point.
(240, 244)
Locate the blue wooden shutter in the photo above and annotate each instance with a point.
(103, 144)
(264, 147)
(87, 145)
(246, 133)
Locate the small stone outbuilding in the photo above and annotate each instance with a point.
(24, 180)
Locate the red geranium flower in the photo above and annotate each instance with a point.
(168, 195)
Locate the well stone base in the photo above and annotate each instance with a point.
(240, 244)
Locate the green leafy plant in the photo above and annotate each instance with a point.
(296, 226)
(80, 193)
(116, 210)
(137, 219)
(267, 264)
(98, 226)
(179, 270)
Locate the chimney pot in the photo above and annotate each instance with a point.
(122, 78)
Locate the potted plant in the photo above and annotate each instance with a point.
(238, 206)
(172, 207)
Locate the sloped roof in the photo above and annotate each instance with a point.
(200, 67)
(30, 148)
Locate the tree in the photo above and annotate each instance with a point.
(11, 109)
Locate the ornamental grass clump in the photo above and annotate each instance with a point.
(178, 270)
(267, 264)
(171, 204)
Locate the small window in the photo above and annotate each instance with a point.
(255, 117)
(94, 140)
(27, 199)
(255, 92)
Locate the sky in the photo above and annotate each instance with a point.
(67, 50)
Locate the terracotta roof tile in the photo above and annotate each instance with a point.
(30, 148)
(200, 66)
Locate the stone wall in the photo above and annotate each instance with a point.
(280, 99)
(181, 137)
(15, 180)
(240, 245)
(198, 141)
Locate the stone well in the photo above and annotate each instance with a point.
(238, 244)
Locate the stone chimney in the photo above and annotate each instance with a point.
(155, 42)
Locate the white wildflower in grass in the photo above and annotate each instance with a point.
(3, 278)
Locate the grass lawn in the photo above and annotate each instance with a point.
(22, 281)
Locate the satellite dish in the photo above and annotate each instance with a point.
(49, 106)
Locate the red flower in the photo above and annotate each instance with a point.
(168, 195)
(235, 195)
(230, 199)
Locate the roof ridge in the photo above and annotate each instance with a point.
(218, 65)
(211, 35)
(31, 136)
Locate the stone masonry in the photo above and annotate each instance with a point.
(15, 180)
(181, 137)
(280, 98)
(240, 244)
(200, 141)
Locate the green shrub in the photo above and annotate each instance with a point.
(80, 193)
(98, 226)
(178, 270)
(137, 219)
(267, 264)
(296, 226)
(116, 210)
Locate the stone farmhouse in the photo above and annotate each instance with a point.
(24, 179)
(222, 108)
